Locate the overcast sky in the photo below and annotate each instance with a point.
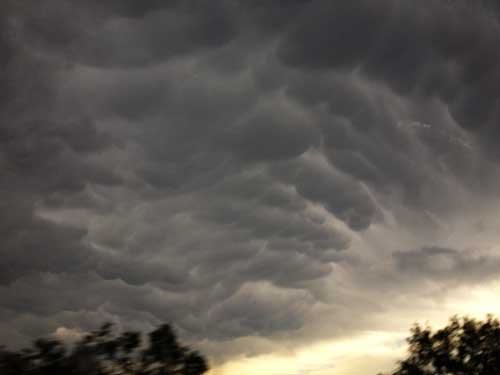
(291, 183)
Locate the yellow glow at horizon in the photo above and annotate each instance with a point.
(369, 352)
(322, 358)
(478, 302)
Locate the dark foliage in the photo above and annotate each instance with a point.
(464, 347)
(104, 353)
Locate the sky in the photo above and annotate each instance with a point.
(291, 183)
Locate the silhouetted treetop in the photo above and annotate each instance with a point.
(465, 346)
(104, 353)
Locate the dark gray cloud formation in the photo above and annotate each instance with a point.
(218, 164)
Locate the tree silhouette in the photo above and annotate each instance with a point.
(103, 353)
(465, 346)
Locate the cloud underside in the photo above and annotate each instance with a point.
(242, 169)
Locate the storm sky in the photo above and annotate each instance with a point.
(291, 183)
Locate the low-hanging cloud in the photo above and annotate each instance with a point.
(240, 169)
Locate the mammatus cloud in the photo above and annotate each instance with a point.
(248, 171)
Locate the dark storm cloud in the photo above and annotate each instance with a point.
(212, 163)
(370, 133)
(44, 151)
(414, 48)
(342, 196)
(124, 34)
(437, 263)
(281, 132)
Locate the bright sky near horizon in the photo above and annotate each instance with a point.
(367, 353)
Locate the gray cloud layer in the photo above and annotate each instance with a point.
(217, 164)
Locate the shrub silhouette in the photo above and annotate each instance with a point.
(465, 346)
(104, 353)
